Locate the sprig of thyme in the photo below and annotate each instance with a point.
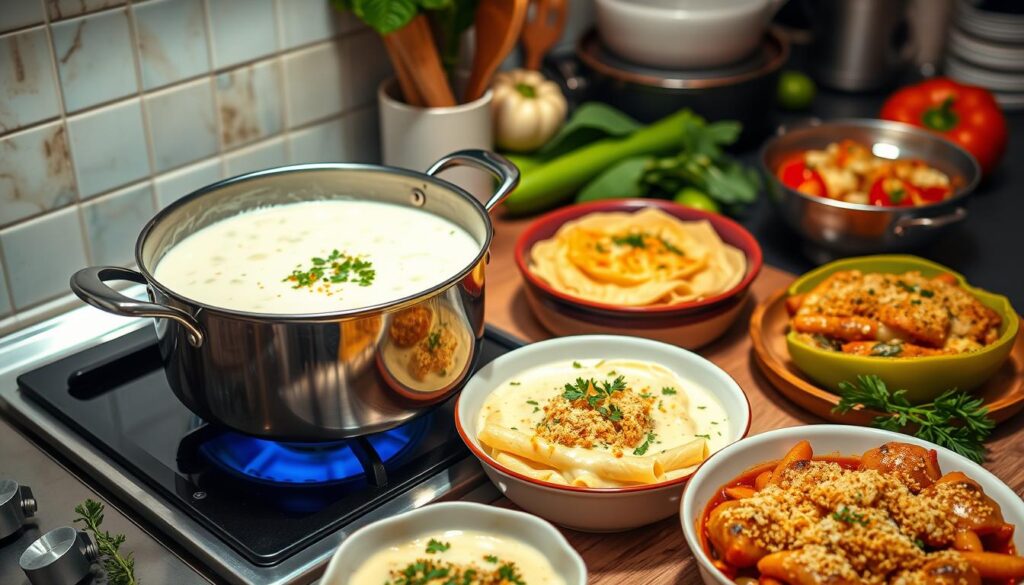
(956, 420)
(120, 569)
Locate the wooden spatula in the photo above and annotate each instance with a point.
(498, 24)
(542, 30)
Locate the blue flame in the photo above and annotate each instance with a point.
(305, 463)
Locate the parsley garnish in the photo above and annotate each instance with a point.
(668, 391)
(533, 402)
(635, 240)
(491, 559)
(513, 383)
(645, 445)
(436, 546)
(707, 437)
(956, 420)
(334, 269)
(668, 246)
(434, 340)
(849, 516)
(603, 392)
(577, 365)
(915, 289)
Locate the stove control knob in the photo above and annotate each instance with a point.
(62, 556)
(16, 504)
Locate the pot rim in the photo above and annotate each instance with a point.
(325, 316)
(969, 186)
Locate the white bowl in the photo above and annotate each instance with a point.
(825, 439)
(684, 34)
(593, 509)
(455, 516)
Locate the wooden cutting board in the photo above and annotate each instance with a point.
(657, 554)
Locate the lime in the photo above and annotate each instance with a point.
(696, 199)
(796, 90)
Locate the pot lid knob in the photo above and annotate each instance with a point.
(16, 504)
(62, 556)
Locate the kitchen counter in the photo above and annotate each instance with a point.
(985, 247)
(657, 554)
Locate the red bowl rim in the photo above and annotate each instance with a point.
(751, 251)
(486, 459)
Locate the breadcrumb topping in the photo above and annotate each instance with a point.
(580, 422)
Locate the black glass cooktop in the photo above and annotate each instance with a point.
(266, 499)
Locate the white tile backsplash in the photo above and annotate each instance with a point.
(350, 138)
(5, 297)
(249, 102)
(35, 172)
(174, 185)
(260, 156)
(320, 67)
(308, 21)
(108, 147)
(171, 37)
(241, 30)
(113, 222)
(181, 124)
(20, 13)
(94, 59)
(366, 64)
(67, 8)
(28, 90)
(41, 255)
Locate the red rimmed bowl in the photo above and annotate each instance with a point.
(689, 324)
(584, 508)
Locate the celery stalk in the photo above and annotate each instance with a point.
(558, 180)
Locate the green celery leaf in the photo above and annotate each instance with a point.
(590, 122)
(620, 181)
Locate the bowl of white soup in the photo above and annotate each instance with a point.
(599, 432)
(315, 302)
(457, 542)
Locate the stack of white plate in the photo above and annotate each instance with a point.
(986, 48)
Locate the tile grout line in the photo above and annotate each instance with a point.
(213, 75)
(147, 133)
(282, 87)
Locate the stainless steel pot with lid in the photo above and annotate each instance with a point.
(308, 377)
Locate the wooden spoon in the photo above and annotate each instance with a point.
(420, 62)
(406, 81)
(543, 30)
(498, 24)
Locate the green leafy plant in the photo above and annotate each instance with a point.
(955, 420)
(120, 569)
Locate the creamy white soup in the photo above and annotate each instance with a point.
(316, 256)
(602, 423)
(457, 556)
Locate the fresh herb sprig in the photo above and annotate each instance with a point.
(603, 392)
(850, 516)
(436, 546)
(642, 449)
(120, 568)
(955, 420)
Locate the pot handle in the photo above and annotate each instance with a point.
(90, 286)
(494, 163)
(907, 223)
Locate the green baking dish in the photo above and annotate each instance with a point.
(923, 378)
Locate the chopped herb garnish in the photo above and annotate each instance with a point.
(533, 402)
(849, 516)
(701, 407)
(612, 373)
(602, 392)
(436, 546)
(668, 391)
(577, 365)
(513, 383)
(668, 246)
(536, 409)
(708, 437)
(491, 559)
(919, 543)
(645, 445)
(334, 269)
(434, 340)
(915, 289)
(635, 240)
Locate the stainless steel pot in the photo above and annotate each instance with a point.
(314, 377)
(839, 228)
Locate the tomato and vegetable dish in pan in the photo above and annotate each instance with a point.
(849, 171)
(887, 516)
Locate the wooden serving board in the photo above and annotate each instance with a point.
(657, 554)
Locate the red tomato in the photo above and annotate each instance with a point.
(892, 192)
(932, 194)
(796, 175)
(965, 114)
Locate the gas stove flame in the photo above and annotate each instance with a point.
(306, 463)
